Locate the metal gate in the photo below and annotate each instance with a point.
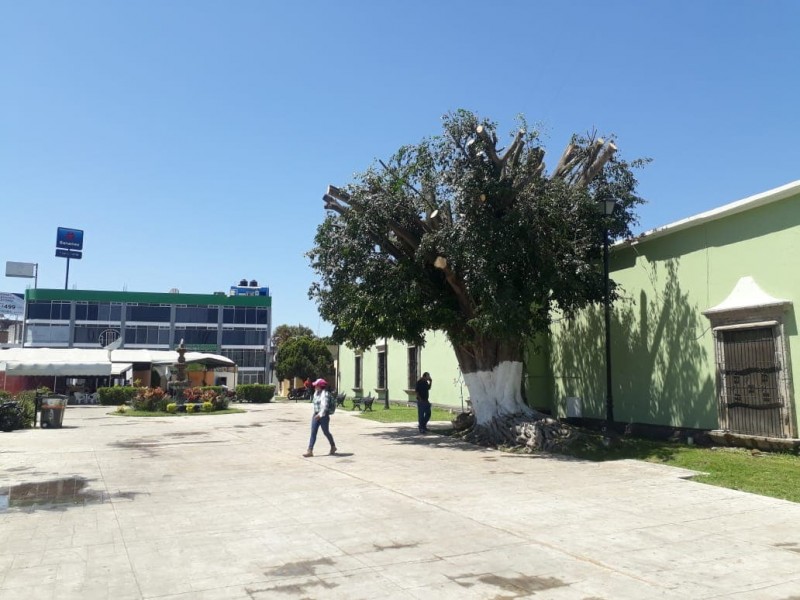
(750, 399)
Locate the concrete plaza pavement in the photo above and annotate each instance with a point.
(208, 507)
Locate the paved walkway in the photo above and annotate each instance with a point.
(225, 507)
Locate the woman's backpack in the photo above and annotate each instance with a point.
(330, 402)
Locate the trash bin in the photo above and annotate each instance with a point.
(53, 407)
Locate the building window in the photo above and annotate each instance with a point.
(382, 369)
(99, 311)
(144, 335)
(47, 334)
(49, 311)
(147, 313)
(196, 314)
(413, 367)
(196, 336)
(89, 334)
(246, 358)
(245, 315)
(357, 375)
(244, 337)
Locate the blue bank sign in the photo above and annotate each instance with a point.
(71, 239)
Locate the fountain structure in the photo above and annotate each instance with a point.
(177, 387)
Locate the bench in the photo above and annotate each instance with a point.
(366, 401)
(340, 400)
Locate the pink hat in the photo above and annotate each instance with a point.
(321, 382)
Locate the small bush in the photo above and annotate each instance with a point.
(217, 389)
(121, 408)
(255, 392)
(221, 402)
(116, 395)
(192, 394)
(208, 407)
(172, 407)
(190, 408)
(27, 400)
(149, 399)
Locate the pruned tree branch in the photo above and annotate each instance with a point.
(460, 292)
(490, 146)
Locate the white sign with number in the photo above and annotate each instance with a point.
(11, 304)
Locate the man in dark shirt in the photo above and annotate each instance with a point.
(423, 403)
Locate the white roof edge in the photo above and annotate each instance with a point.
(725, 210)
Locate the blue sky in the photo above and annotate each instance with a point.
(192, 140)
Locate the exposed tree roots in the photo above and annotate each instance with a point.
(520, 431)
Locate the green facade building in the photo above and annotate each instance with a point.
(703, 333)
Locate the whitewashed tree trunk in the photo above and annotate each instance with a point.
(493, 374)
(496, 393)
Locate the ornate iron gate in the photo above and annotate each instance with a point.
(751, 402)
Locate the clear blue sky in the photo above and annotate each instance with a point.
(192, 140)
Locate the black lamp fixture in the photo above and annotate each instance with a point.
(607, 207)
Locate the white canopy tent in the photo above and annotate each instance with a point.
(55, 361)
(74, 362)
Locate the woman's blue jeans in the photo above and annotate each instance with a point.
(323, 423)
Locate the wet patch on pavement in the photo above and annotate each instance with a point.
(396, 546)
(299, 568)
(296, 590)
(790, 546)
(521, 586)
(149, 445)
(57, 494)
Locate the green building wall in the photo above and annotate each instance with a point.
(662, 346)
(436, 357)
(663, 359)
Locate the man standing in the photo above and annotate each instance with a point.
(321, 418)
(423, 402)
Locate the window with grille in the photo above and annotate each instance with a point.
(382, 369)
(413, 367)
(357, 374)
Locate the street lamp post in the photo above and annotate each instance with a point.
(607, 207)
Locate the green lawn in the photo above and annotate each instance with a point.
(768, 474)
(397, 413)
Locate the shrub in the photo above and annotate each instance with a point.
(121, 409)
(27, 401)
(208, 407)
(149, 399)
(4, 394)
(190, 408)
(192, 394)
(116, 395)
(221, 402)
(255, 392)
(172, 407)
(217, 389)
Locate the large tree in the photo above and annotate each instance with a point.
(303, 357)
(283, 333)
(481, 242)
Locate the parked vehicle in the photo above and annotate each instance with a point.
(11, 416)
(299, 394)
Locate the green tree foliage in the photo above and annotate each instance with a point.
(303, 357)
(287, 332)
(457, 235)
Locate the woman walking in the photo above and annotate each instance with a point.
(321, 418)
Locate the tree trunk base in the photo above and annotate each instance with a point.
(526, 432)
